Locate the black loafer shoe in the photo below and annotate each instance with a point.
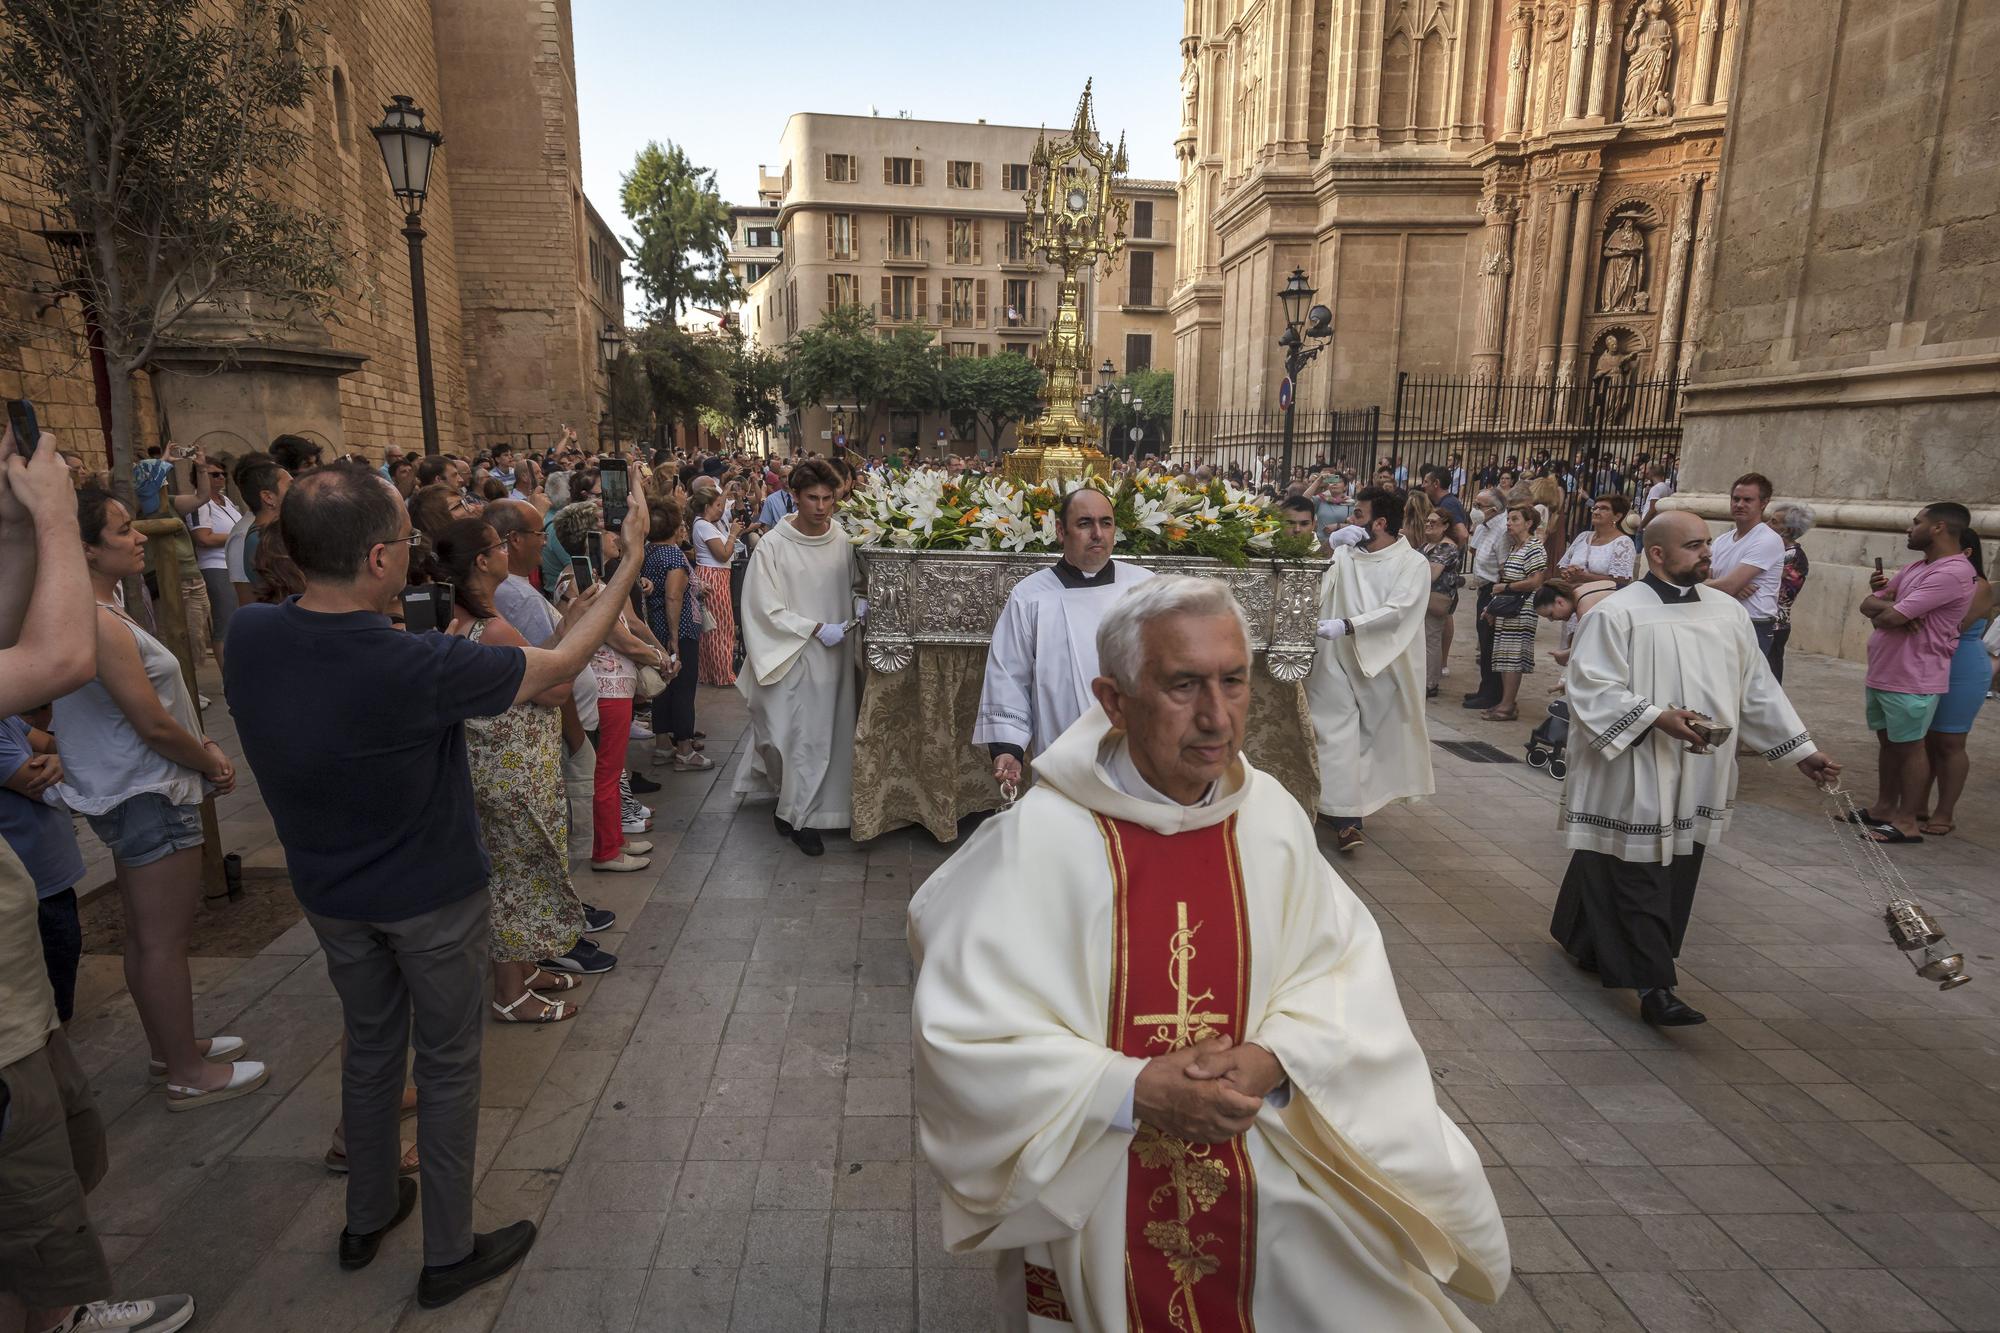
(784, 829)
(643, 785)
(493, 1253)
(808, 841)
(1664, 1009)
(1480, 701)
(359, 1251)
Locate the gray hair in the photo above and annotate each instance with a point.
(506, 518)
(574, 523)
(1792, 518)
(557, 485)
(1121, 636)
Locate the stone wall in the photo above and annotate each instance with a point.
(1852, 351)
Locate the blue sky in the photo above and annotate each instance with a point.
(721, 78)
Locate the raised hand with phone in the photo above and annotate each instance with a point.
(48, 638)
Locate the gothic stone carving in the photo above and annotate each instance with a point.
(954, 597)
(1622, 287)
(1649, 63)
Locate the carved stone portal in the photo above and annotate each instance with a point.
(1649, 63)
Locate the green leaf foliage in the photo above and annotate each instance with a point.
(680, 257)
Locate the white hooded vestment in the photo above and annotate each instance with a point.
(1366, 689)
(801, 694)
(1087, 928)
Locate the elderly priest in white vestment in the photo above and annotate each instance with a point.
(1366, 689)
(1653, 664)
(1161, 1066)
(798, 664)
(1044, 652)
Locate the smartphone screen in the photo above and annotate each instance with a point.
(27, 431)
(1878, 564)
(614, 482)
(420, 613)
(593, 546)
(580, 573)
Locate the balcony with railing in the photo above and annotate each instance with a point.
(1143, 298)
(1024, 319)
(1018, 258)
(906, 253)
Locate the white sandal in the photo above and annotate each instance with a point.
(245, 1076)
(551, 981)
(694, 761)
(554, 1011)
(221, 1050)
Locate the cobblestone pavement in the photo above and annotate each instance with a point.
(722, 1140)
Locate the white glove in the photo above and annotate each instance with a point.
(1332, 629)
(1351, 535)
(861, 608)
(830, 635)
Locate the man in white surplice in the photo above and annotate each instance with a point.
(1651, 663)
(1366, 689)
(1265, 1147)
(798, 664)
(1044, 652)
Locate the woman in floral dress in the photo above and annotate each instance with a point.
(517, 787)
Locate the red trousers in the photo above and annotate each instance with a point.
(607, 811)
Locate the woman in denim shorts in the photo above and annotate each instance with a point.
(136, 766)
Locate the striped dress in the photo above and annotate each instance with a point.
(1514, 637)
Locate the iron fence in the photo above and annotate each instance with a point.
(1250, 445)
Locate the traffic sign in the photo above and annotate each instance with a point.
(1136, 434)
(1285, 394)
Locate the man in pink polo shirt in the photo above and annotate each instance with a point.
(1916, 615)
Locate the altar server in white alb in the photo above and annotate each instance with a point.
(1162, 1071)
(1044, 652)
(1366, 689)
(798, 664)
(1651, 663)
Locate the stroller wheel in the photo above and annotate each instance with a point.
(1558, 768)
(1537, 757)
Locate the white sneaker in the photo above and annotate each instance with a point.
(621, 864)
(641, 731)
(637, 826)
(158, 1314)
(245, 1076)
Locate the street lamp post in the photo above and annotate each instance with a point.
(609, 344)
(1316, 323)
(407, 151)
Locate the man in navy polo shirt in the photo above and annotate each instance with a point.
(355, 731)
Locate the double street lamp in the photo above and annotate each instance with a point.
(407, 151)
(1300, 323)
(609, 344)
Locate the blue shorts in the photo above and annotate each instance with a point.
(147, 828)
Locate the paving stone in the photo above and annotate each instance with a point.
(1860, 1301)
(868, 1300)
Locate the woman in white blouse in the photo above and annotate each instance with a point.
(1604, 552)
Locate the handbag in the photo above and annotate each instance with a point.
(1507, 605)
(1443, 603)
(652, 682)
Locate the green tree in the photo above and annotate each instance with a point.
(990, 393)
(683, 373)
(681, 255)
(154, 130)
(1152, 388)
(837, 361)
(757, 375)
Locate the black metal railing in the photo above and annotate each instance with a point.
(1250, 445)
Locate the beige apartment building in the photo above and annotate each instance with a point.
(925, 222)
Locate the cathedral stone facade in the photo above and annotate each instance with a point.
(1488, 189)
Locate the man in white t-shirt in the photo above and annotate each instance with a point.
(211, 527)
(1749, 560)
(1658, 488)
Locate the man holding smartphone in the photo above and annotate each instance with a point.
(371, 793)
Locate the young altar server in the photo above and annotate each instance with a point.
(1044, 652)
(798, 665)
(1161, 1067)
(1640, 805)
(1366, 689)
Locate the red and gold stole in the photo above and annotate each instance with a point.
(1181, 974)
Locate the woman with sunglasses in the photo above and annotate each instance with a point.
(211, 525)
(517, 785)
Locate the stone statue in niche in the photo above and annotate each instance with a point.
(1649, 57)
(1623, 288)
(1190, 89)
(1613, 373)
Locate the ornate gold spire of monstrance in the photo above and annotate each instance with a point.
(1073, 220)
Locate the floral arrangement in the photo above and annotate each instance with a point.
(927, 509)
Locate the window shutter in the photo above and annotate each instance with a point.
(826, 165)
(832, 298)
(829, 235)
(888, 171)
(916, 171)
(888, 300)
(923, 297)
(977, 228)
(979, 303)
(917, 237)
(978, 175)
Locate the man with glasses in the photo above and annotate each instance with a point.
(371, 793)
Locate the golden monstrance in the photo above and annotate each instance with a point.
(1073, 221)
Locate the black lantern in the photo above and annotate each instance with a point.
(1296, 294)
(407, 149)
(611, 342)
